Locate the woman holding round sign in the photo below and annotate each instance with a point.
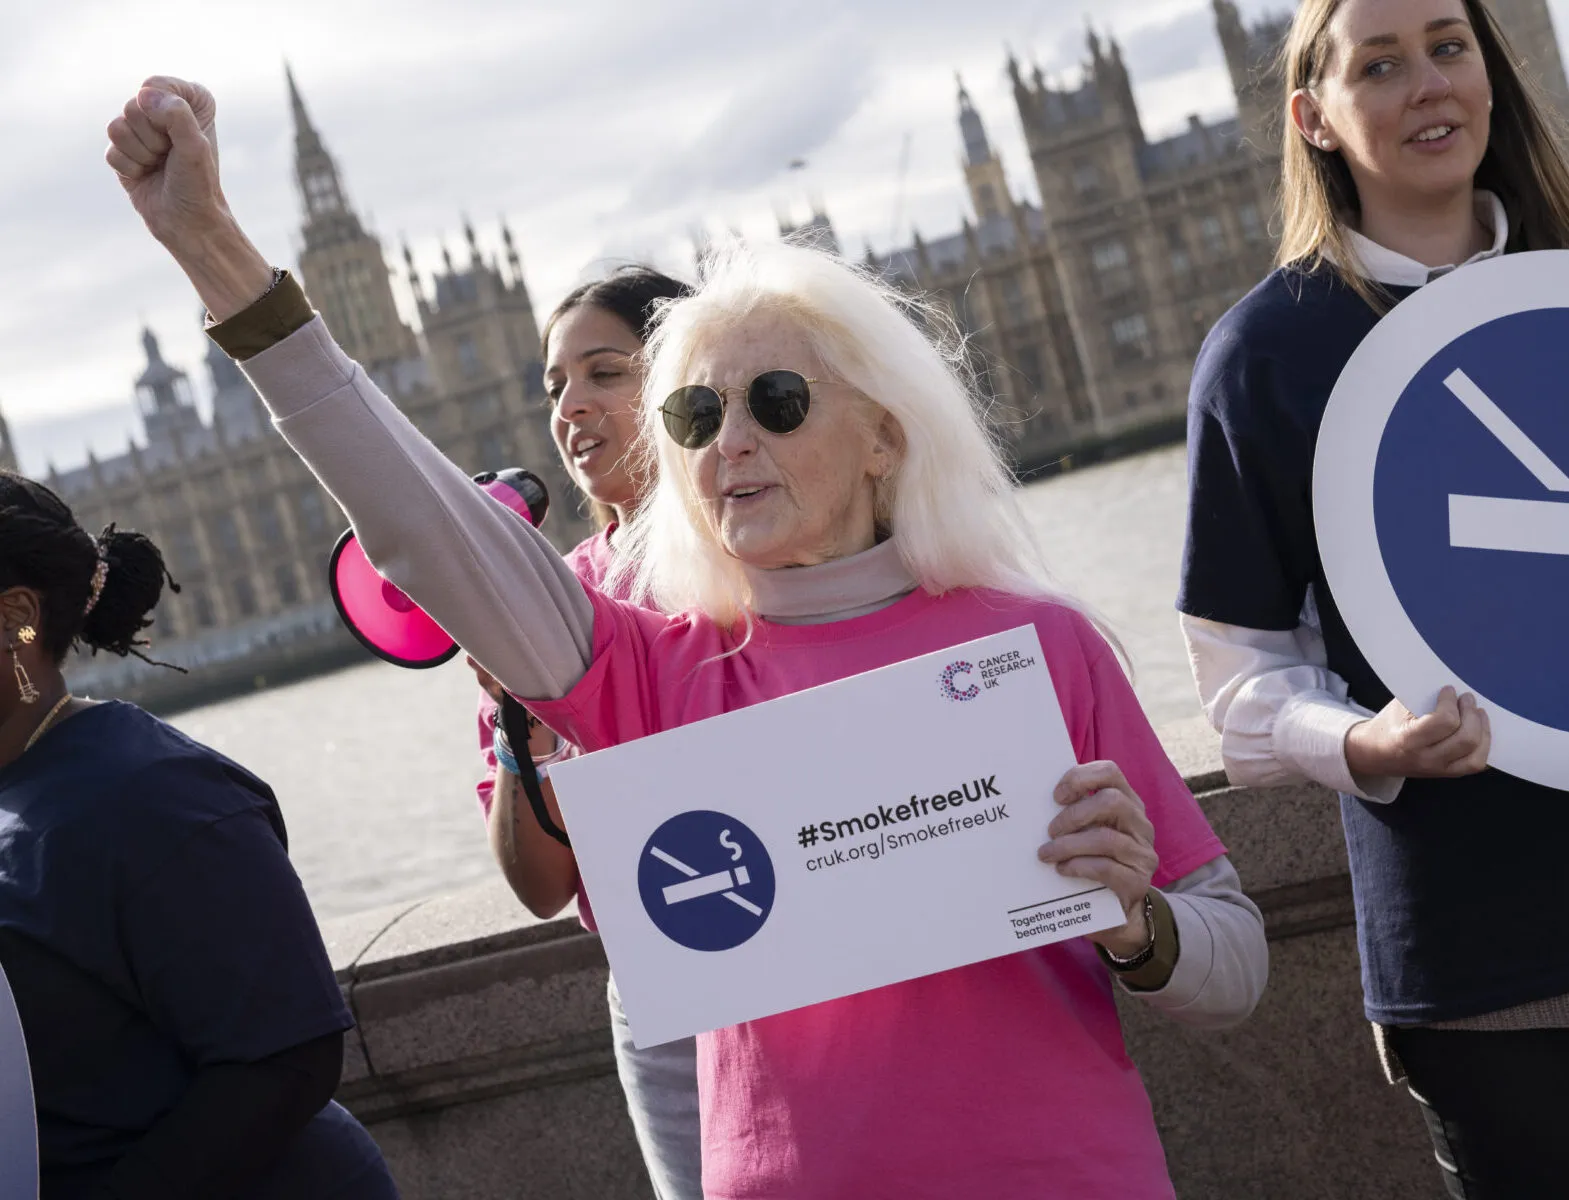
(827, 502)
(593, 343)
(1413, 148)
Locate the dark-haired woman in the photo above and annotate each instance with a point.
(593, 377)
(183, 1024)
(1414, 147)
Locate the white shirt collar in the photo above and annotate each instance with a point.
(1396, 270)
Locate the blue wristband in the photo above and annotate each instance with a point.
(503, 752)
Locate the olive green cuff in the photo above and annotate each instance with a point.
(1156, 973)
(282, 310)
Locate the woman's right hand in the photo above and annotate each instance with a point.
(164, 150)
(487, 682)
(1452, 740)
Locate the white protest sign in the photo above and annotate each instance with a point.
(1441, 500)
(853, 835)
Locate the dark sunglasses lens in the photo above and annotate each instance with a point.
(693, 416)
(778, 401)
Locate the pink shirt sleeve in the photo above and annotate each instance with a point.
(615, 701)
(1107, 723)
(486, 786)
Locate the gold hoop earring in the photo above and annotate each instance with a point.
(25, 690)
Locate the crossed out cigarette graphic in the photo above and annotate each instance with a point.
(1499, 523)
(706, 885)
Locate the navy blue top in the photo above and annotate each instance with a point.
(1433, 948)
(165, 930)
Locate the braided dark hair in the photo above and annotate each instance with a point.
(42, 547)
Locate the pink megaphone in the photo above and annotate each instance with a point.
(388, 623)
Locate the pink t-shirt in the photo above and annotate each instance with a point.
(1004, 1080)
(590, 561)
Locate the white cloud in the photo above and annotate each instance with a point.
(602, 129)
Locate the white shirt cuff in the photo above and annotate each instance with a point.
(1310, 737)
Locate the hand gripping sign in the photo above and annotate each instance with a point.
(1441, 499)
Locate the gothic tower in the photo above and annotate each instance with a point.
(486, 407)
(169, 415)
(1252, 58)
(1529, 27)
(341, 265)
(7, 449)
(817, 231)
(983, 172)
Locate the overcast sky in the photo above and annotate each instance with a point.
(602, 129)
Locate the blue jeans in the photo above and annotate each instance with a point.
(661, 1089)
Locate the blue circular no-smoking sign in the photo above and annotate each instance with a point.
(706, 880)
(1441, 498)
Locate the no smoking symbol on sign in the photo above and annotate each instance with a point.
(706, 880)
(1441, 496)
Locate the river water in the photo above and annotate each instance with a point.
(375, 766)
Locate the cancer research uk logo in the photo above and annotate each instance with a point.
(991, 670)
(706, 881)
(951, 672)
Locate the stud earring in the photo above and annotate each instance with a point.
(24, 685)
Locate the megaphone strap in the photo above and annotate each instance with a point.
(512, 720)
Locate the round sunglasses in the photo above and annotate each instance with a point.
(777, 400)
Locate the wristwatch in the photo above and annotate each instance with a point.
(1137, 960)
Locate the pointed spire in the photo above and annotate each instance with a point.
(415, 285)
(157, 384)
(302, 119)
(1013, 66)
(7, 450)
(972, 129)
(327, 213)
(446, 257)
(514, 264)
(468, 236)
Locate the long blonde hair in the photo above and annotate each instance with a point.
(1523, 165)
(951, 508)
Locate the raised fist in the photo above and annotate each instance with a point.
(164, 149)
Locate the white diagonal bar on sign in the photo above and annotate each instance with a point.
(673, 861)
(1499, 523)
(744, 903)
(1514, 439)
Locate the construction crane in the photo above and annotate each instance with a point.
(899, 194)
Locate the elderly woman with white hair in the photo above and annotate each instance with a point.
(829, 502)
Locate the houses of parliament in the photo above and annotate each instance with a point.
(1084, 313)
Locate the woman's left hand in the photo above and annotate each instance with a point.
(1103, 835)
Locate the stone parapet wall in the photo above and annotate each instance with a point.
(482, 1061)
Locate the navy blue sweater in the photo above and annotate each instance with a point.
(1437, 942)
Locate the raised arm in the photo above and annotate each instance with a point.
(492, 582)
